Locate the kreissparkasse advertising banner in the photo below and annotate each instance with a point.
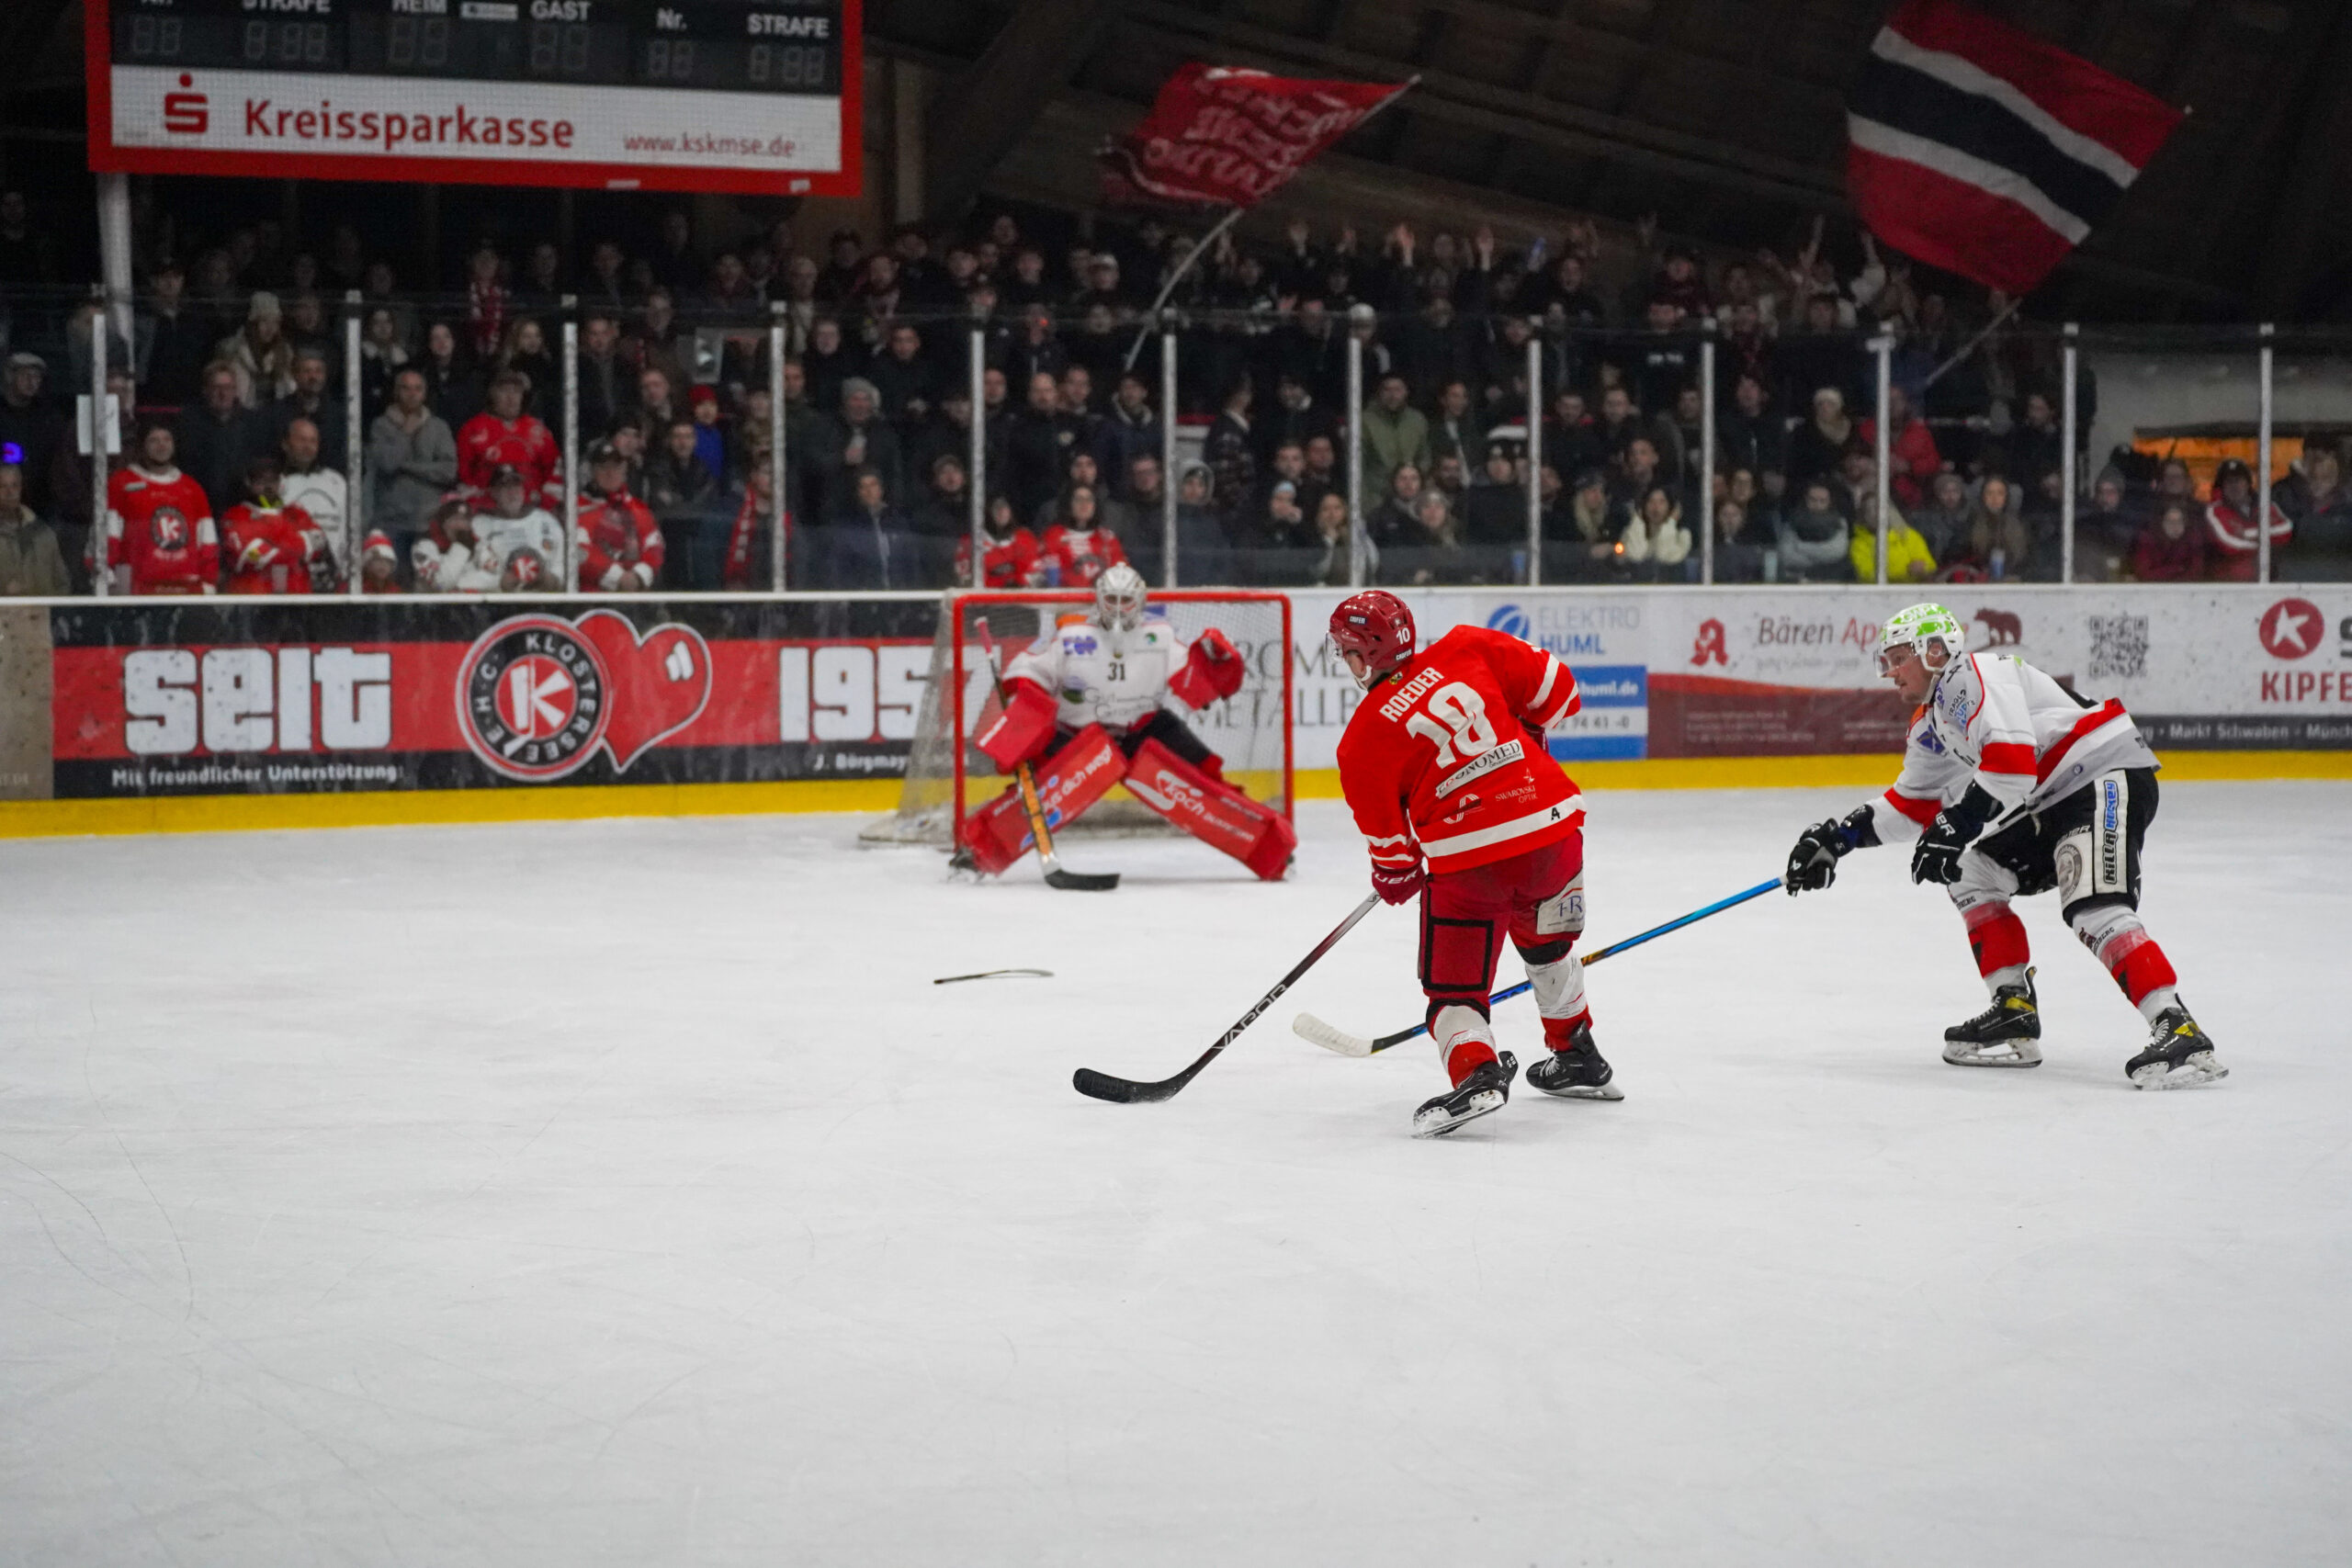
(750, 97)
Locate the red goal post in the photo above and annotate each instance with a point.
(947, 776)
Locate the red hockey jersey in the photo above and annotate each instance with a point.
(270, 550)
(160, 526)
(488, 443)
(1445, 755)
(1011, 563)
(1075, 559)
(620, 545)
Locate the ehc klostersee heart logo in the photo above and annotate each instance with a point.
(538, 694)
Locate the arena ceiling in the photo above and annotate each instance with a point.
(1724, 117)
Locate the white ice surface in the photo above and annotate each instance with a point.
(624, 1193)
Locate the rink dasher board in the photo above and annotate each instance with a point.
(156, 714)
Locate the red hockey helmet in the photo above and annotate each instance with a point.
(1375, 625)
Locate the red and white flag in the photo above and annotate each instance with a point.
(1218, 134)
(1981, 149)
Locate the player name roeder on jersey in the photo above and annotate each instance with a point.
(1397, 706)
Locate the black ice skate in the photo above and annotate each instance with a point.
(2178, 1054)
(1484, 1092)
(2006, 1034)
(1577, 1072)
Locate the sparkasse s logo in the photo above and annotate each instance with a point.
(186, 114)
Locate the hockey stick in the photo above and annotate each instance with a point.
(1035, 809)
(995, 975)
(1306, 1026)
(1102, 1085)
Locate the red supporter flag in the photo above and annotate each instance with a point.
(1229, 137)
(1981, 149)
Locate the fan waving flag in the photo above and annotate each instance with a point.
(1981, 149)
(1218, 134)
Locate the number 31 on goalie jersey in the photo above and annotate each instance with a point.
(1456, 722)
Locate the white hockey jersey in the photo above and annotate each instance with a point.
(1114, 677)
(2000, 723)
(504, 537)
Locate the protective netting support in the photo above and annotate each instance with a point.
(1250, 732)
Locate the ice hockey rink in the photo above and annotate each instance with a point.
(624, 1192)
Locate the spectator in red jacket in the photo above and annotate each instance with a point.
(619, 545)
(1012, 560)
(160, 534)
(2229, 525)
(269, 545)
(1912, 460)
(2170, 549)
(504, 437)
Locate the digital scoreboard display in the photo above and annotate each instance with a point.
(750, 95)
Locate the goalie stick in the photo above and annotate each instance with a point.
(1035, 809)
(1306, 1026)
(1102, 1085)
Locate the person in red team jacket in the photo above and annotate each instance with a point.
(160, 534)
(1445, 767)
(619, 545)
(270, 547)
(504, 437)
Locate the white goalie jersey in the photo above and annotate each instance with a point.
(1107, 676)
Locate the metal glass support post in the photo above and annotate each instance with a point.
(2261, 502)
(2068, 365)
(98, 329)
(1707, 452)
(354, 413)
(1168, 456)
(114, 252)
(1534, 457)
(570, 446)
(779, 530)
(1883, 347)
(1355, 461)
(979, 463)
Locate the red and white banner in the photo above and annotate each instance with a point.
(1976, 147)
(1228, 137)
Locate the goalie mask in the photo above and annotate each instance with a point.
(1119, 595)
(1917, 629)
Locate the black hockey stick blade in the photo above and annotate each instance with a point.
(1126, 1091)
(995, 975)
(1082, 881)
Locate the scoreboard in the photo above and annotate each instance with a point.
(750, 95)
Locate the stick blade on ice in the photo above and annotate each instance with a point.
(1119, 1091)
(1306, 1026)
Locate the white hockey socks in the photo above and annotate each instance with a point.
(1466, 1041)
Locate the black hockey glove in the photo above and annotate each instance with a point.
(1937, 859)
(1812, 864)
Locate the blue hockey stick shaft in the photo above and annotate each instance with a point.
(1717, 907)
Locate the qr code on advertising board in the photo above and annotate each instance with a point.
(2119, 646)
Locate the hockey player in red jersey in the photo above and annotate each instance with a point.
(2013, 785)
(160, 534)
(1444, 765)
(270, 547)
(503, 437)
(1087, 703)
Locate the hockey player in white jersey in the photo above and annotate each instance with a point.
(2012, 785)
(1089, 703)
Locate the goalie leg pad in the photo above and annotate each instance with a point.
(1258, 836)
(1069, 781)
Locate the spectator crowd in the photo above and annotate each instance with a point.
(236, 467)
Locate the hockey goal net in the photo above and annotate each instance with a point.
(948, 777)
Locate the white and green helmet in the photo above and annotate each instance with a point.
(1918, 626)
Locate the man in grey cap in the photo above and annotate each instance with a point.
(862, 439)
(30, 426)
